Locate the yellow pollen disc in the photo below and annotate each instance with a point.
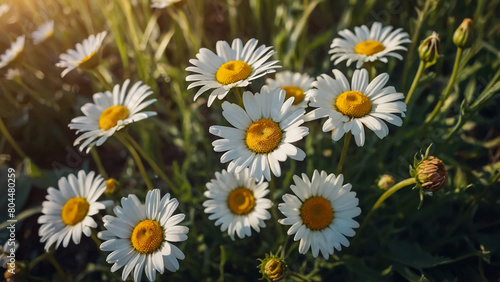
(112, 115)
(241, 201)
(87, 58)
(75, 210)
(369, 47)
(263, 136)
(147, 236)
(316, 213)
(232, 72)
(294, 91)
(353, 104)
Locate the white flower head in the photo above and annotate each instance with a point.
(13, 52)
(140, 236)
(159, 4)
(68, 211)
(237, 202)
(262, 135)
(12, 74)
(233, 66)
(43, 32)
(110, 112)
(9, 247)
(320, 213)
(368, 45)
(350, 107)
(85, 56)
(295, 85)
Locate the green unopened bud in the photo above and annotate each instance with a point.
(272, 268)
(431, 174)
(429, 48)
(385, 182)
(464, 35)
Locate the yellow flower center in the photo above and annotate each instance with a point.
(86, 58)
(112, 115)
(369, 47)
(353, 104)
(263, 136)
(75, 210)
(232, 72)
(241, 201)
(294, 91)
(147, 236)
(316, 213)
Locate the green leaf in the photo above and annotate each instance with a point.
(413, 255)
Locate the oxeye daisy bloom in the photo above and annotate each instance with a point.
(295, 85)
(262, 133)
(43, 32)
(368, 45)
(159, 4)
(68, 211)
(237, 201)
(6, 250)
(111, 112)
(85, 56)
(232, 66)
(320, 213)
(350, 106)
(13, 52)
(139, 237)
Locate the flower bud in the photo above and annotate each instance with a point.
(429, 48)
(111, 186)
(272, 268)
(464, 35)
(431, 174)
(385, 182)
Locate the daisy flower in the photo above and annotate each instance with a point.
(295, 85)
(262, 133)
(5, 252)
(368, 45)
(43, 32)
(111, 112)
(84, 56)
(159, 4)
(13, 52)
(139, 237)
(232, 66)
(237, 201)
(68, 211)
(320, 213)
(349, 107)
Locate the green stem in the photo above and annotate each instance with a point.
(150, 161)
(347, 139)
(373, 71)
(102, 80)
(383, 197)
(96, 240)
(37, 260)
(98, 162)
(274, 209)
(137, 159)
(419, 73)
(448, 88)
(11, 140)
(57, 266)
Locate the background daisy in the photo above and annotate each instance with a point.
(68, 211)
(163, 3)
(85, 55)
(368, 45)
(111, 112)
(320, 213)
(43, 32)
(237, 201)
(232, 66)
(139, 237)
(350, 107)
(296, 85)
(13, 52)
(262, 133)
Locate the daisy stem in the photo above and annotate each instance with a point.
(414, 84)
(373, 71)
(137, 159)
(347, 139)
(57, 266)
(274, 209)
(101, 79)
(447, 90)
(238, 94)
(383, 197)
(150, 161)
(11, 140)
(96, 240)
(98, 162)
